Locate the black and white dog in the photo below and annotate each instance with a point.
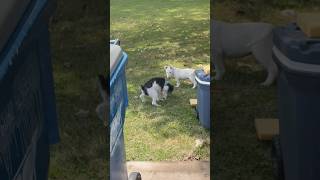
(157, 88)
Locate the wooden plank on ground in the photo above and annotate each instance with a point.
(266, 128)
(193, 102)
(207, 69)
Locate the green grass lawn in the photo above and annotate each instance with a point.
(78, 42)
(238, 155)
(156, 33)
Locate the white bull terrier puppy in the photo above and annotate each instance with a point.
(242, 39)
(178, 74)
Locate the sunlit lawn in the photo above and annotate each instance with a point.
(154, 34)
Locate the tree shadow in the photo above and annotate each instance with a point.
(155, 37)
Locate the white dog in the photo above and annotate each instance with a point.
(242, 39)
(178, 74)
(157, 88)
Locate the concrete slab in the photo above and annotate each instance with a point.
(179, 170)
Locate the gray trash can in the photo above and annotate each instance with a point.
(298, 59)
(118, 104)
(203, 98)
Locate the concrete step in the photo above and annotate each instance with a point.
(177, 170)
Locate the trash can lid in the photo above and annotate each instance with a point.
(202, 77)
(292, 43)
(11, 11)
(115, 56)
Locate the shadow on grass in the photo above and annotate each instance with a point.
(236, 148)
(147, 60)
(154, 34)
(78, 50)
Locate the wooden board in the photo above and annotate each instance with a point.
(266, 128)
(193, 102)
(309, 24)
(206, 69)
